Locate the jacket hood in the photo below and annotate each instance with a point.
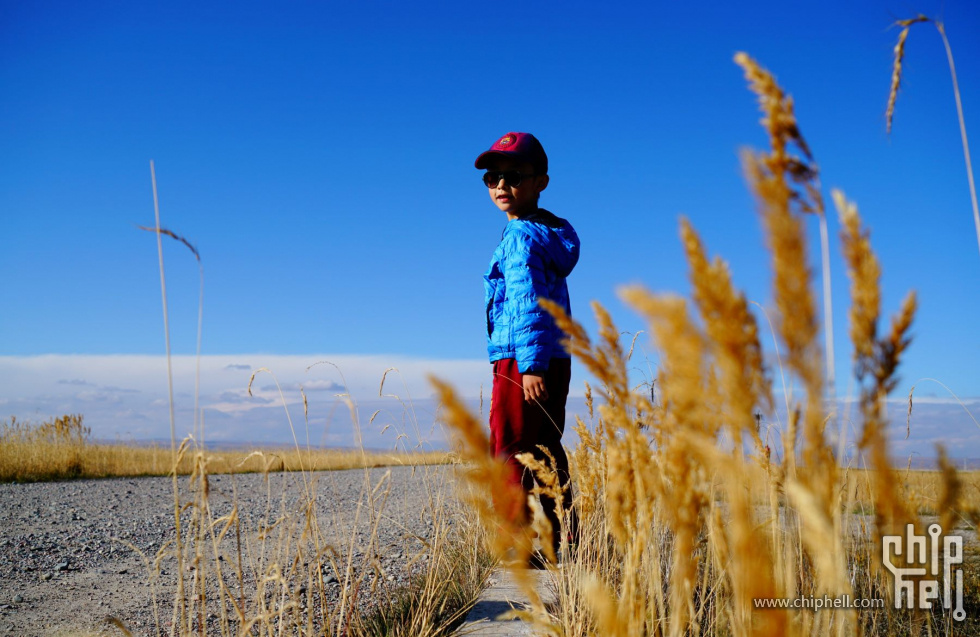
(556, 236)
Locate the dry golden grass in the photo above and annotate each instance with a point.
(896, 83)
(687, 512)
(31, 453)
(897, 65)
(268, 572)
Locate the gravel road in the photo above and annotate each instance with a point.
(67, 558)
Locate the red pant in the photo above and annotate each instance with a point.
(518, 426)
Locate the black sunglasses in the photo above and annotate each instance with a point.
(511, 177)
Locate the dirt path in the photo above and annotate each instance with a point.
(70, 552)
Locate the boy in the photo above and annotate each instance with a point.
(531, 369)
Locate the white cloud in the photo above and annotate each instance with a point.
(310, 386)
(98, 397)
(127, 395)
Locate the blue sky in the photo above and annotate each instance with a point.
(320, 157)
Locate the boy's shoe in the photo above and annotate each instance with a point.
(535, 561)
(538, 562)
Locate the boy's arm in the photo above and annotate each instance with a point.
(532, 326)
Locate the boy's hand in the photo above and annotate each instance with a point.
(534, 387)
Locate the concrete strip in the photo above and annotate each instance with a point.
(501, 596)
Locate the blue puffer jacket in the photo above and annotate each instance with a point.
(535, 255)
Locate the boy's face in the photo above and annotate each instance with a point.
(516, 201)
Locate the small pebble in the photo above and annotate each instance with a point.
(18, 599)
(46, 576)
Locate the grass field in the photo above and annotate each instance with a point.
(59, 449)
(688, 519)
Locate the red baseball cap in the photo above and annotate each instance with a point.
(523, 147)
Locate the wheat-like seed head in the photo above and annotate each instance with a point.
(894, 345)
(796, 317)
(865, 272)
(604, 360)
(632, 478)
(176, 237)
(821, 541)
(577, 341)
(779, 120)
(588, 400)
(589, 467)
(770, 176)
(875, 359)
(682, 379)
(878, 358)
(897, 66)
(896, 78)
(952, 487)
(732, 336)
(488, 474)
(602, 602)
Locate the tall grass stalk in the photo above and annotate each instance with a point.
(166, 314)
(951, 393)
(893, 95)
(170, 393)
(270, 571)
